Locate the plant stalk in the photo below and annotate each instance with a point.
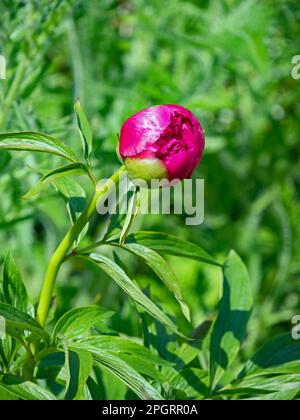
(66, 244)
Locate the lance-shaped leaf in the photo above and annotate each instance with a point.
(286, 395)
(162, 269)
(169, 244)
(279, 355)
(36, 142)
(121, 278)
(123, 371)
(270, 385)
(84, 129)
(14, 290)
(131, 215)
(24, 390)
(77, 369)
(74, 196)
(16, 319)
(234, 312)
(137, 356)
(76, 322)
(192, 381)
(76, 168)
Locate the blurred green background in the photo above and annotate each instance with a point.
(229, 62)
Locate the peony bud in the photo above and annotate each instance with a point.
(164, 141)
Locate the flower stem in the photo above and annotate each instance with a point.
(65, 245)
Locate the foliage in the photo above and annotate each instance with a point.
(147, 324)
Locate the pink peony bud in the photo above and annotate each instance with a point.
(164, 141)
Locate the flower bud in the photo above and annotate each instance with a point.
(161, 142)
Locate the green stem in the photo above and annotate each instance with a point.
(66, 244)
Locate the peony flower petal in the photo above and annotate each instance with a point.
(168, 133)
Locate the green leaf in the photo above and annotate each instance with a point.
(77, 322)
(193, 381)
(70, 169)
(271, 386)
(36, 142)
(14, 290)
(51, 364)
(97, 392)
(138, 357)
(234, 312)
(117, 344)
(84, 361)
(74, 196)
(114, 226)
(78, 367)
(54, 359)
(287, 395)
(16, 319)
(6, 395)
(131, 215)
(169, 244)
(84, 129)
(162, 269)
(272, 383)
(188, 351)
(123, 371)
(275, 356)
(24, 390)
(121, 278)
